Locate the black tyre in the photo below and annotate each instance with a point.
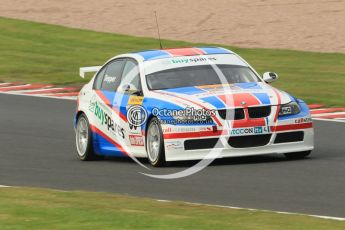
(83, 140)
(155, 143)
(297, 155)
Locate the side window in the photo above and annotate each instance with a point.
(112, 75)
(131, 75)
(99, 79)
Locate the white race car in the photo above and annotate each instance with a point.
(184, 104)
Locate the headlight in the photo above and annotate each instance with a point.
(289, 109)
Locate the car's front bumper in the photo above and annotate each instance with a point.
(175, 148)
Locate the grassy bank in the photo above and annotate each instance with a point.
(35, 52)
(28, 208)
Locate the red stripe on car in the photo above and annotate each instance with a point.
(237, 99)
(248, 122)
(185, 51)
(278, 104)
(107, 102)
(195, 134)
(291, 127)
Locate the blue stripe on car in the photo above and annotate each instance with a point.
(154, 54)
(185, 90)
(248, 85)
(103, 147)
(215, 50)
(215, 101)
(263, 98)
(157, 54)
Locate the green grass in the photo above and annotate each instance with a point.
(36, 52)
(28, 208)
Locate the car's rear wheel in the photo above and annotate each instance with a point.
(84, 140)
(155, 143)
(297, 155)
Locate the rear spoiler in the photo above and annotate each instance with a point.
(89, 69)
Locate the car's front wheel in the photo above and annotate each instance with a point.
(297, 155)
(84, 139)
(155, 143)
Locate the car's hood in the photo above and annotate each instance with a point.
(225, 96)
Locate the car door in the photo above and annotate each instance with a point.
(107, 118)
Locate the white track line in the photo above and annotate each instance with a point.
(32, 90)
(14, 86)
(262, 210)
(327, 114)
(325, 108)
(325, 119)
(5, 84)
(35, 95)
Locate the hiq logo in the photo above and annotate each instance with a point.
(257, 129)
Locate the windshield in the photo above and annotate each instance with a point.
(198, 76)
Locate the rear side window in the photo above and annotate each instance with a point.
(112, 76)
(99, 79)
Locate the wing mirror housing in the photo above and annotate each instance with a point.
(269, 77)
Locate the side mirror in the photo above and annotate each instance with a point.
(129, 89)
(270, 77)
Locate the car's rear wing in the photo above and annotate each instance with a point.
(89, 69)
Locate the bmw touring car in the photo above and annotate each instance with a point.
(183, 103)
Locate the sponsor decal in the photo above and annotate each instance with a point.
(135, 100)
(209, 128)
(105, 119)
(219, 87)
(250, 130)
(216, 86)
(92, 104)
(303, 120)
(136, 140)
(285, 110)
(167, 130)
(192, 60)
(109, 79)
(185, 129)
(173, 145)
(179, 129)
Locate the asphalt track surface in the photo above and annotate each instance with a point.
(37, 149)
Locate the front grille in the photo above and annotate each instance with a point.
(249, 141)
(238, 114)
(208, 143)
(231, 114)
(289, 137)
(259, 112)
